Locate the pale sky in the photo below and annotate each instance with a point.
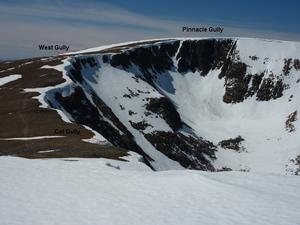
(82, 24)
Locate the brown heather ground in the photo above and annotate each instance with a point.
(21, 116)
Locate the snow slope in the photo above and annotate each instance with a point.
(269, 147)
(261, 124)
(109, 79)
(99, 191)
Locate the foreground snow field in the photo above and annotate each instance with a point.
(99, 191)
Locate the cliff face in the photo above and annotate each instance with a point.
(209, 104)
(143, 111)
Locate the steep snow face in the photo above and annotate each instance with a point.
(102, 191)
(209, 104)
(116, 89)
(269, 144)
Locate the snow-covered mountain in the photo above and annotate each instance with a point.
(208, 104)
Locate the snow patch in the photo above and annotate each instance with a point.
(47, 151)
(97, 138)
(31, 138)
(43, 91)
(10, 78)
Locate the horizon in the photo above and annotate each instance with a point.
(3, 59)
(88, 24)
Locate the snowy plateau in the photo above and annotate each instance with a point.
(168, 131)
(88, 192)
